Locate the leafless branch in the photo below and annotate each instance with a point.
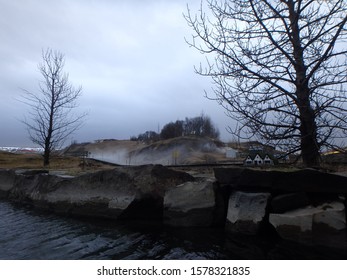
(278, 68)
(51, 118)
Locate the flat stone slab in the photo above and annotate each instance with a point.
(190, 204)
(246, 211)
(306, 180)
(301, 224)
(7, 178)
(286, 202)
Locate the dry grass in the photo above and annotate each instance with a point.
(66, 164)
(11, 160)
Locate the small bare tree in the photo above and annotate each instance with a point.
(279, 69)
(51, 118)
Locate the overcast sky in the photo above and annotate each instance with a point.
(130, 57)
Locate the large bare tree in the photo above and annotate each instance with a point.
(279, 69)
(51, 117)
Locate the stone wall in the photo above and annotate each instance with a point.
(303, 206)
(123, 193)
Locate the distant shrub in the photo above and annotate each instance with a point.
(147, 137)
(200, 126)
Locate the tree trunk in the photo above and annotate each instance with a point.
(308, 127)
(47, 151)
(308, 130)
(48, 139)
(46, 154)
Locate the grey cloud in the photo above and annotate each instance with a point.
(129, 56)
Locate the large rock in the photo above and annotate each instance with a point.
(308, 223)
(306, 180)
(122, 193)
(191, 204)
(246, 212)
(228, 176)
(101, 194)
(286, 202)
(6, 182)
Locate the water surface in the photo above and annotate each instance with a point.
(27, 233)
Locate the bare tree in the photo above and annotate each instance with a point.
(51, 118)
(279, 69)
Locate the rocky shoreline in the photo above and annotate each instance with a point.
(305, 206)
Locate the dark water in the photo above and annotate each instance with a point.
(29, 234)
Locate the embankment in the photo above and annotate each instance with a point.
(304, 206)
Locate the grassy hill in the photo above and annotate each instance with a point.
(180, 150)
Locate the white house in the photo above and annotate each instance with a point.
(268, 160)
(258, 159)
